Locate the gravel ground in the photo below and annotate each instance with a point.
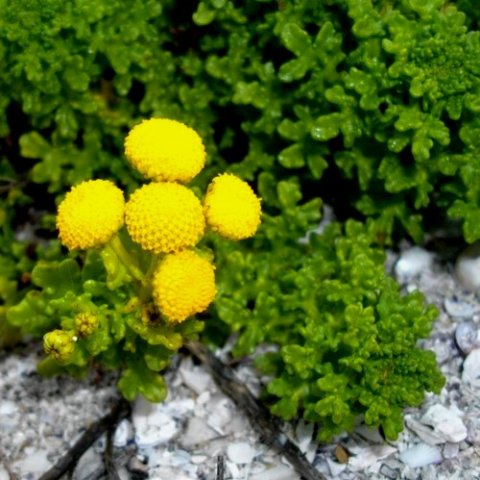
(183, 437)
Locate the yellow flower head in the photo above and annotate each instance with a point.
(86, 323)
(164, 217)
(183, 285)
(165, 150)
(90, 214)
(231, 208)
(59, 344)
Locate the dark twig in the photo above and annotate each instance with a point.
(267, 427)
(220, 467)
(120, 410)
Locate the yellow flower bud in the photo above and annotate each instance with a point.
(90, 214)
(231, 207)
(183, 285)
(59, 344)
(164, 217)
(165, 150)
(86, 323)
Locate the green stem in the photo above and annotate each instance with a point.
(146, 291)
(127, 260)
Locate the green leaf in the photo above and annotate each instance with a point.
(32, 314)
(317, 165)
(66, 122)
(157, 357)
(142, 381)
(410, 118)
(155, 334)
(289, 193)
(57, 278)
(286, 408)
(295, 39)
(326, 127)
(294, 70)
(292, 130)
(33, 145)
(292, 156)
(203, 15)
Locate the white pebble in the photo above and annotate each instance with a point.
(412, 262)
(466, 336)
(458, 308)
(421, 455)
(241, 453)
(4, 475)
(8, 408)
(471, 369)
(467, 268)
(446, 422)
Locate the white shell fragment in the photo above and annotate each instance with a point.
(153, 425)
(123, 434)
(458, 308)
(197, 433)
(279, 472)
(424, 432)
(466, 336)
(446, 423)
(450, 450)
(194, 377)
(241, 453)
(471, 369)
(335, 467)
(421, 455)
(369, 456)
(467, 268)
(412, 262)
(89, 466)
(33, 464)
(221, 414)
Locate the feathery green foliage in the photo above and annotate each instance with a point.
(347, 338)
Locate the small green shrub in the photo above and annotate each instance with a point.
(347, 338)
(379, 97)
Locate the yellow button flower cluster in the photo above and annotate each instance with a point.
(90, 214)
(165, 150)
(164, 217)
(231, 207)
(183, 285)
